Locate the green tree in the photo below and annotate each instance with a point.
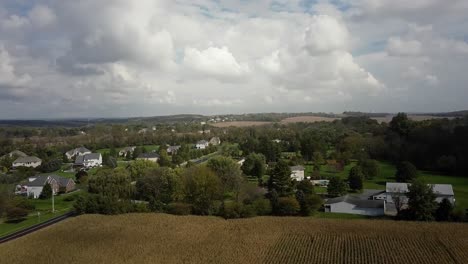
(254, 165)
(421, 201)
(406, 172)
(336, 187)
(287, 206)
(280, 179)
(401, 124)
(355, 178)
(14, 214)
(370, 168)
(164, 160)
(139, 167)
(317, 160)
(157, 185)
(444, 211)
(46, 192)
(81, 176)
(201, 188)
(228, 172)
(113, 183)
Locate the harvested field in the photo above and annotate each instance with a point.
(307, 119)
(388, 118)
(241, 124)
(160, 238)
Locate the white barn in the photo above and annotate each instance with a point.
(352, 205)
(442, 191)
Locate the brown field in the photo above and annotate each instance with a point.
(307, 119)
(240, 124)
(160, 238)
(388, 118)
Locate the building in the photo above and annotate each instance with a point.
(81, 151)
(202, 144)
(323, 183)
(15, 153)
(152, 156)
(297, 173)
(126, 150)
(353, 205)
(28, 161)
(442, 191)
(90, 160)
(215, 141)
(33, 188)
(171, 150)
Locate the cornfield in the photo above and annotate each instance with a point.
(160, 238)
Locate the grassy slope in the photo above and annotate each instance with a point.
(159, 238)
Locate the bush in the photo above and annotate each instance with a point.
(24, 203)
(179, 208)
(16, 214)
(287, 206)
(262, 206)
(51, 166)
(231, 210)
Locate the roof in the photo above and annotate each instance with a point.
(151, 155)
(82, 150)
(297, 168)
(357, 202)
(61, 180)
(39, 181)
(42, 180)
(17, 153)
(127, 149)
(402, 187)
(27, 159)
(173, 148)
(202, 142)
(86, 157)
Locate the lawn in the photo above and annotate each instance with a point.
(148, 148)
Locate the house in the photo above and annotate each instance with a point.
(126, 150)
(28, 161)
(89, 160)
(353, 205)
(442, 191)
(34, 186)
(297, 173)
(204, 131)
(15, 153)
(323, 183)
(215, 141)
(171, 150)
(202, 144)
(152, 156)
(81, 151)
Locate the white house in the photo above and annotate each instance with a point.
(89, 160)
(297, 173)
(171, 150)
(15, 153)
(215, 141)
(33, 188)
(28, 161)
(152, 156)
(323, 183)
(352, 205)
(124, 151)
(81, 151)
(442, 191)
(202, 144)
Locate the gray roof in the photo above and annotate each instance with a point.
(402, 187)
(42, 180)
(173, 148)
(297, 168)
(27, 159)
(61, 180)
(151, 155)
(90, 156)
(127, 149)
(39, 181)
(17, 153)
(202, 142)
(357, 202)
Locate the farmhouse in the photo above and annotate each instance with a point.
(126, 150)
(88, 160)
(81, 151)
(28, 161)
(149, 156)
(353, 205)
(171, 150)
(297, 173)
(33, 188)
(442, 191)
(202, 144)
(215, 141)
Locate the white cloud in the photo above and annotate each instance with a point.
(398, 47)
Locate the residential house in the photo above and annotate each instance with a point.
(202, 144)
(90, 160)
(28, 161)
(215, 141)
(297, 173)
(33, 188)
(323, 183)
(353, 205)
(81, 151)
(152, 156)
(15, 153)
(171, 150)
(123, 152)
(442, 191)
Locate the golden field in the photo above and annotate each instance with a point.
(160, 238)
(240, 124)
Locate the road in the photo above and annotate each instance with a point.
(35, 227)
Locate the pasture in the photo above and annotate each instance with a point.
(160, 238)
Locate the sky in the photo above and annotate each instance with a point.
(121, 58)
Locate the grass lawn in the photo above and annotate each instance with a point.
(148, 148)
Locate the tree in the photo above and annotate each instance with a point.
(157, 186)
(308, 202)
(46, 192)
(280, 179)
(421, 201)
(444, 210)
(81, 176)
(112, 183)
(16, 214)
(254, 165)
(228, 172)
(164, 160)
(317, 160)
(355, 178)
(406, 172)
(306, 187)
(110, 161)
(370, 168)
(51, 166)
(287, 206)
(201, 188)
(400, 124)
(336, 187)
(138, 168)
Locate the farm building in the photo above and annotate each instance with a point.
(353, 205)
(442, 191)
(28, 161)
(297, 173)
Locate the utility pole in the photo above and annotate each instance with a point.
(53, 201)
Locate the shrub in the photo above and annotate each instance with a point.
(179, 208)
(16, 214)
(287, 206)
(24, 203)
(262, 206)
(231, 210)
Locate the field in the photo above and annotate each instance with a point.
(388, 118)
(307, 119)
(240, 124)
(159, 238)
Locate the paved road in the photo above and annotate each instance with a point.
(35, 227)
